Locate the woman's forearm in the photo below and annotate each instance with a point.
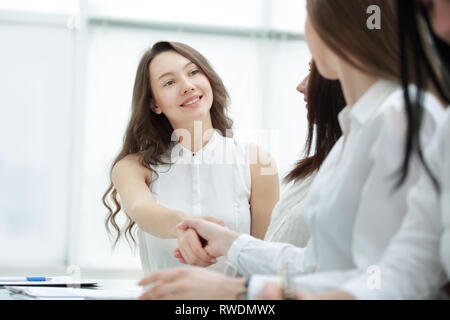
(158, 220)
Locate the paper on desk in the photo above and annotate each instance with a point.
(52, 282)
(72, 293)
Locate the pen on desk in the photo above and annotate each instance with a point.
(31, 279)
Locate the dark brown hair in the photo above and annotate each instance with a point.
(325, 101)
(342, 25)
(149, 134)
(421, 50)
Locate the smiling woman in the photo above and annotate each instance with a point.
(185, 77)
(163, 174)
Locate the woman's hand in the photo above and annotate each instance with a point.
(190, 250)
(273, 291)
(191, 284)
(218, 239)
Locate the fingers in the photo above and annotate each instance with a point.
(193, 252)
(165, 290)
(214, 220)
(177, 254)
(303, 295)
(271, 291)
(186, 251)
(218, 238)
(189, 223)
(164, 275)
(200, 256)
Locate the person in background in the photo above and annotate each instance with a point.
(178, 161)
(324, 100)
(355, 204)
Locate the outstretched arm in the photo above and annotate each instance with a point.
(132, 181)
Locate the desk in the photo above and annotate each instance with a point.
(112, 284)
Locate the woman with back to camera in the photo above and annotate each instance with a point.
(177, 161)
(416, 265)
(355, 205)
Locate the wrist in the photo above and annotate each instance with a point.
(179, 216)
(237, 289)
(228, 242)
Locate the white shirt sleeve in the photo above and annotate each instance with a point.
(254, 256)
(311, 282)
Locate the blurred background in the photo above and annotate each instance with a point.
(66, 75)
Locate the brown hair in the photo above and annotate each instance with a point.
(342, 25)
(149, 134)
(325, 101)
(421, 51)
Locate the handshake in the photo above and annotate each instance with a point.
(201, 240)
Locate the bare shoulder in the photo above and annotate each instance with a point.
(130, 166)
(261, 161)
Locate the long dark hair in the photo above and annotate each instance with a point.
(418, 67)
(342, 26)
(325, 101)
(149, 134)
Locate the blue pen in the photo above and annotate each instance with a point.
(37, 279)
(29, 279)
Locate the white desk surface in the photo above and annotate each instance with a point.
(115, 284)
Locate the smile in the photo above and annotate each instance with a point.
(191, 101)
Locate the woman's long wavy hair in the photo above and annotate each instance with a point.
(325, 101)
(149, 134)
(425, 59)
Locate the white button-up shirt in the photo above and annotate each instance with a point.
(411, 268)
(353, 209)
(288, 222)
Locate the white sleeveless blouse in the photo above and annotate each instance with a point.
(288, 221)
(213, 181)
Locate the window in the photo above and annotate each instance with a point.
(35, 135)
(68, 97)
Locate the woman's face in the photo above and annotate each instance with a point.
(303, 87)
(439, 14)
(181, 91)
(324, 58)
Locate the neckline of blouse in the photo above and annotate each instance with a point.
(208, 146)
